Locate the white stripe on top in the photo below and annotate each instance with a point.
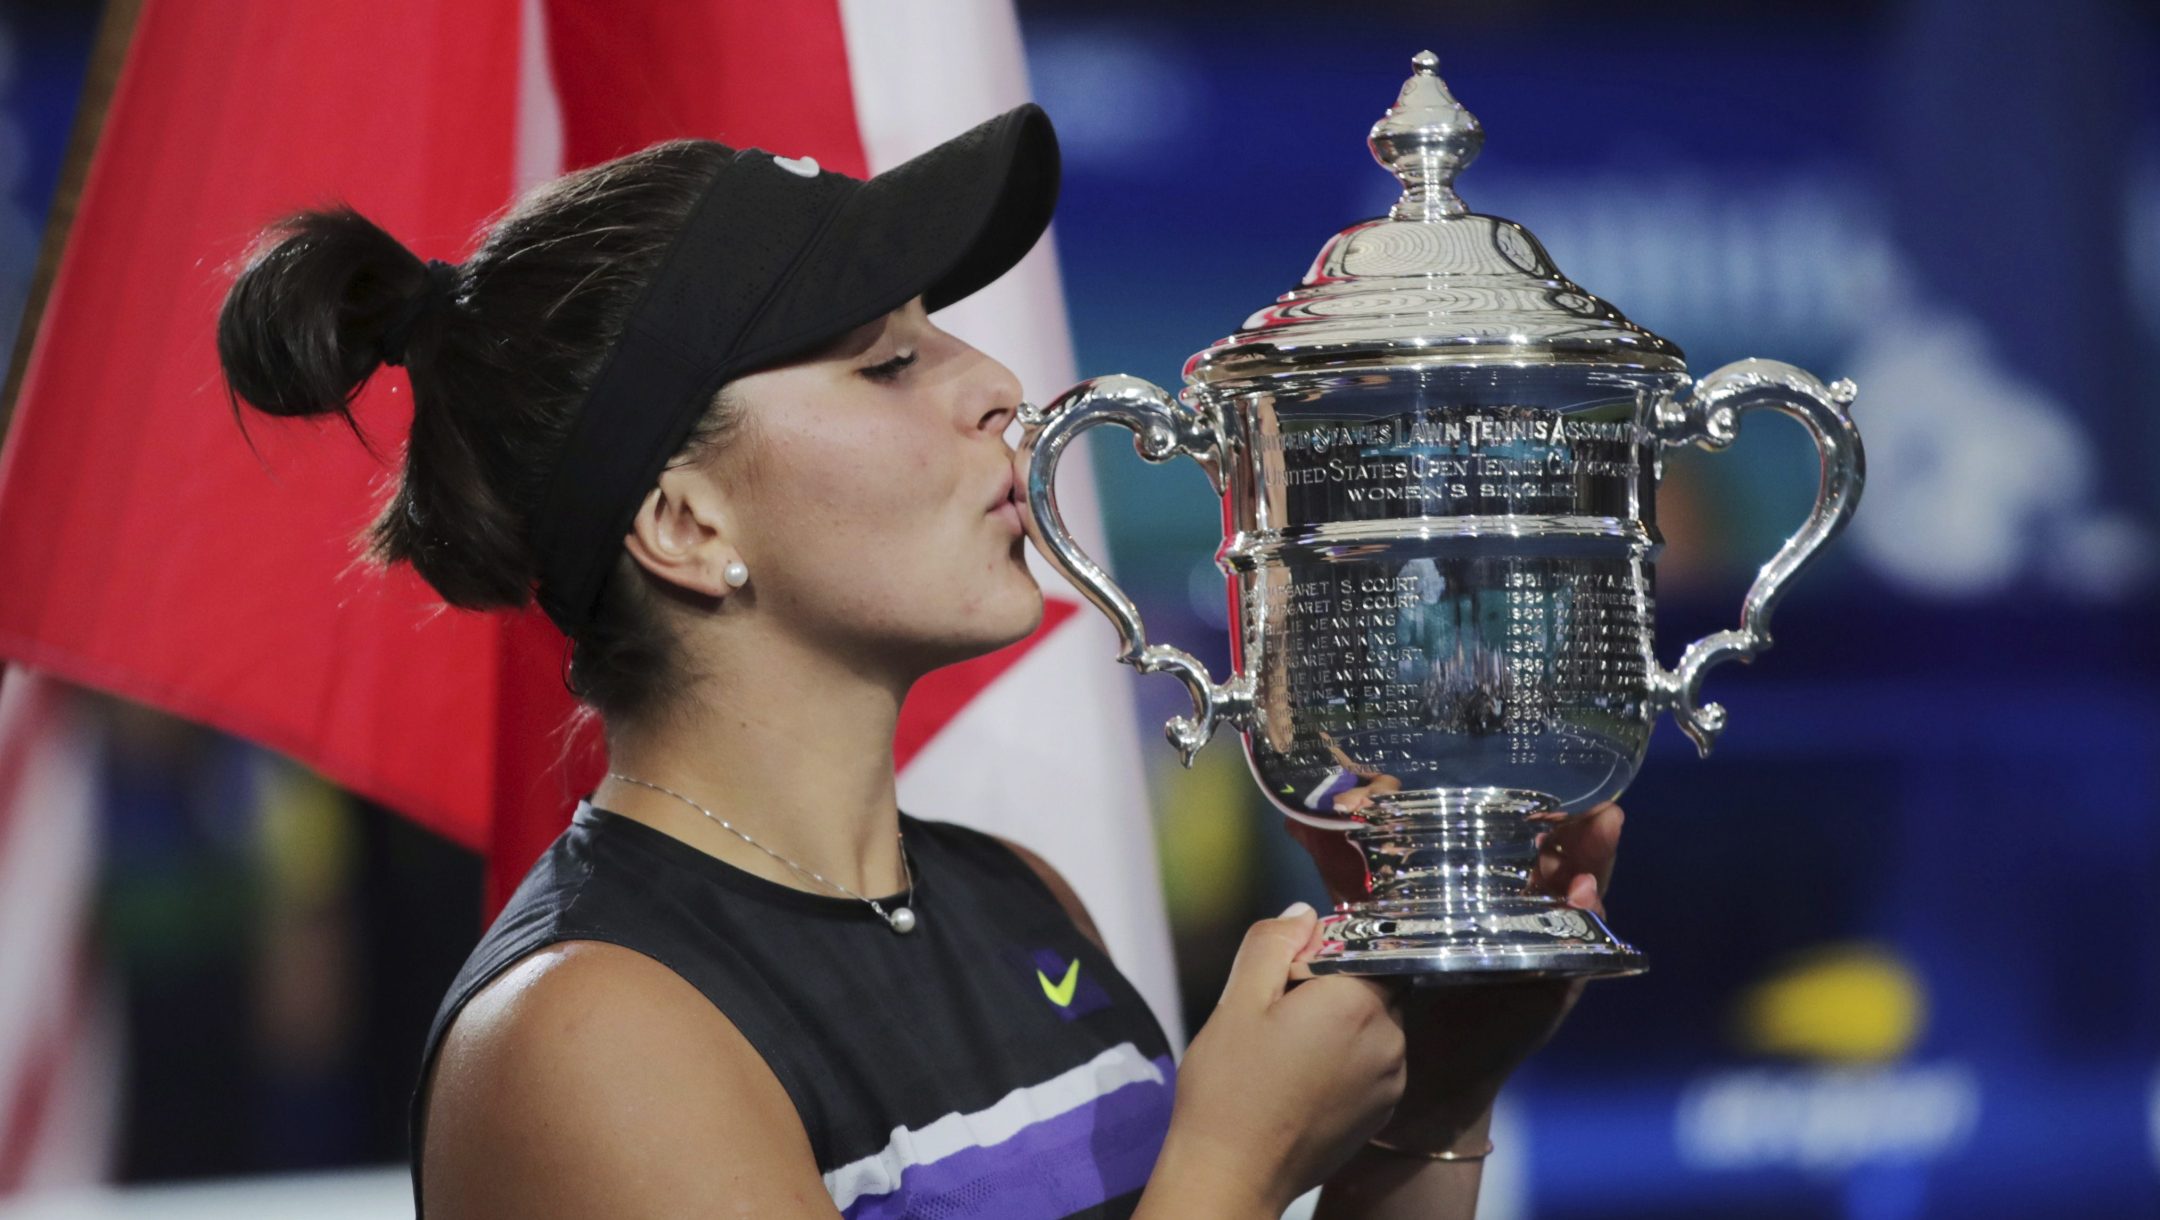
(879, 1173)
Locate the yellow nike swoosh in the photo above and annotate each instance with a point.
(1061, 994)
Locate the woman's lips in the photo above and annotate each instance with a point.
(1006, 507)
(1009, 513)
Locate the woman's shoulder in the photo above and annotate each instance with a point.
(575, 1000)
(575, 995)
(533, 1073)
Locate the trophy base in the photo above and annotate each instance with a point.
(1452, 902)
(1442, 948)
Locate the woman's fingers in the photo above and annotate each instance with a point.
(1583, 892)
(1300, 965)
(1576, 857)
(1600, 846)
(1260, 971)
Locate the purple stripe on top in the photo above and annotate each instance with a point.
(1047, 1170)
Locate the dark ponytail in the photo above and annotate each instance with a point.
(302, 328)
(500, 359)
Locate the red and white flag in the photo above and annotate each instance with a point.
(59, 1041)
(147, 550)
(1045, 749)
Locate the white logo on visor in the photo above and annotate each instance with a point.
(802, 167)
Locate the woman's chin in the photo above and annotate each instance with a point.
(1026, 615)
(1009, 620)
(1004, 614)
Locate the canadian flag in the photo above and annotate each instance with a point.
(147, 549)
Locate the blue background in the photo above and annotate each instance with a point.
(1900, 923)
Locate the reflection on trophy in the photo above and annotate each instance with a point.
(1440, 459)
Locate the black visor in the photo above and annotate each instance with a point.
(777, 259)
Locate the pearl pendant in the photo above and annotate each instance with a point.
(902, 919)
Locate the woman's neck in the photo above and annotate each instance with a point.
(793, 747)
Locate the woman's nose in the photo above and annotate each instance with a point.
(1000, 401)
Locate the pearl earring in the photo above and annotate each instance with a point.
(736, 574)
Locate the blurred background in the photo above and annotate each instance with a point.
(1902, 922)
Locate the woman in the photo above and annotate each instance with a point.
(693, 402)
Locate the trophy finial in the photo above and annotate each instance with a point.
(1425, 139)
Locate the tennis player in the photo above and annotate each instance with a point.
(695, 402)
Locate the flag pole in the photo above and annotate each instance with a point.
(108, 55)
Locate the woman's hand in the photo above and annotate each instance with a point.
(1464, 1042)
(1281, 1086)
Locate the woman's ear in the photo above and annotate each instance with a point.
(679, 533)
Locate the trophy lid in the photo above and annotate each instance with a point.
(1431, 283)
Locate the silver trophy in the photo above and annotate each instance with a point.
(1440, 459)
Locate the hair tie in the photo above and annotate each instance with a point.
(439, 291)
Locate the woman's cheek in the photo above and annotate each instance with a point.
(836, 488)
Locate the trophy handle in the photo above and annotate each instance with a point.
(1162, 429)
(1710, 417)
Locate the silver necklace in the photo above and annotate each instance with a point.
(901, 919)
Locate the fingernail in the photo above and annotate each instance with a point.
(1296, 908)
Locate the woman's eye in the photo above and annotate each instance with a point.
(890, 368)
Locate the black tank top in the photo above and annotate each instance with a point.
(990, 1063)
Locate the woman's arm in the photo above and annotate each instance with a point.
(1378, 1185)
(589, 1080)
